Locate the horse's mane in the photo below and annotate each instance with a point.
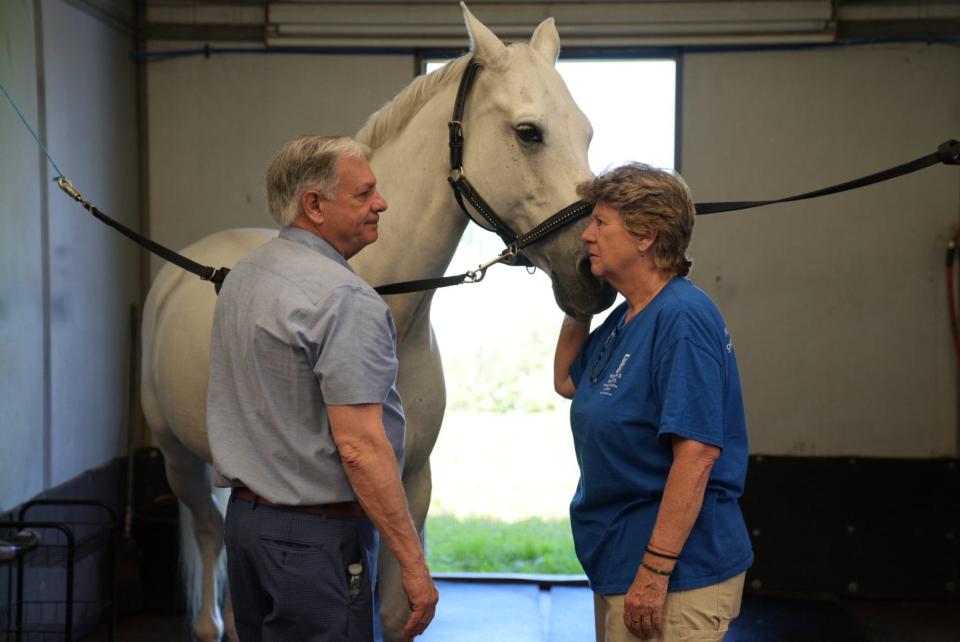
(392, 117)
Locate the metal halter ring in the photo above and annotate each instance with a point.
(510, 253)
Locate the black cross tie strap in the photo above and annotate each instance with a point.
(947, 153)
(205, 272)
(420, 285)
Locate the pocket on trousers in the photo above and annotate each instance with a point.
(697, 613)
(352, 552)
(673, 608)
(700, 636)
(292, 556)
(290, 545)
(306, 572)
(731, 597)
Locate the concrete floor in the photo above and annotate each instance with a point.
(472, 612)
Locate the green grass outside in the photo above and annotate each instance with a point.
(487, 545)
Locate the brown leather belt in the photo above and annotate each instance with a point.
(337, 509)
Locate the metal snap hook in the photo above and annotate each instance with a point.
(66, 185)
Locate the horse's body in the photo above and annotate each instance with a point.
(524, 181)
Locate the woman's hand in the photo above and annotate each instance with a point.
(643, 604)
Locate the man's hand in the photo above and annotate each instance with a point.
(643, 604)
(423, 597)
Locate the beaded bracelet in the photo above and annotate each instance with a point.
(655, 570)
(663, 555)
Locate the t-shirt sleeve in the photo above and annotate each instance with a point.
(357, 361)
(688, 383)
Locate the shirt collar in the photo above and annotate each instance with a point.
(314, 242)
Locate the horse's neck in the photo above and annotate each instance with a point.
(420, 230)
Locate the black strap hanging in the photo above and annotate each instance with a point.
(421, 285)
(206, 273)
(947, 153)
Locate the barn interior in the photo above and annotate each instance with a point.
(165, 113)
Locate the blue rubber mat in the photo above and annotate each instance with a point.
(475, 612)
(484, 612)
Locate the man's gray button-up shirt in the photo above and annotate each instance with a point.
(296, 329)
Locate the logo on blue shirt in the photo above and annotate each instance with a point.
(613, 381)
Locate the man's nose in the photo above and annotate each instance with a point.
(381, 203)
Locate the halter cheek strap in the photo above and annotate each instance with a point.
(464, 190)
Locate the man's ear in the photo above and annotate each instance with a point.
(311, 205)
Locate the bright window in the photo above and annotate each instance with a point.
(505, 451)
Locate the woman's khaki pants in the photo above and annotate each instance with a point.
(702, 614)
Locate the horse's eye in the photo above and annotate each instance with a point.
(529, 133)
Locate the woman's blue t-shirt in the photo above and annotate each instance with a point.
(671, 370)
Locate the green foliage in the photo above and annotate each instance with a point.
(484, 544)
(504, 377)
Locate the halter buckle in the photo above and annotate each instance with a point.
(456, 133)
(456, 143)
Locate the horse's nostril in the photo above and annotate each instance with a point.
(583, 265)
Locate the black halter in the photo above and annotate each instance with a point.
(463, 189)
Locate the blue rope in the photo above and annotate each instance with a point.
(32, 133)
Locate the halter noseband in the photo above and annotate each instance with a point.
(463, 189)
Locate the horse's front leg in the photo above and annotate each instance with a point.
(229, 626)
(200, 551)
(394, 608)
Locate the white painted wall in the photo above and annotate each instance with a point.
(62, 398)
(837, 306)
(215, 123)
(21, 250)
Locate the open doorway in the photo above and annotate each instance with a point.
(504, 468)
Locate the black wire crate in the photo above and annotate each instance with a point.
(44, 621)
(63, 586)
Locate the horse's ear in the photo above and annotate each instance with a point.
(546, 40)
(483, 43)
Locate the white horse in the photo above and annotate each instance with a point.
(523, 178)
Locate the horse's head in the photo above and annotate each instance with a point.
(526, 150)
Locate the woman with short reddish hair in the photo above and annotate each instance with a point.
(658, 423)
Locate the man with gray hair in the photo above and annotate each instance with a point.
(303, 413)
